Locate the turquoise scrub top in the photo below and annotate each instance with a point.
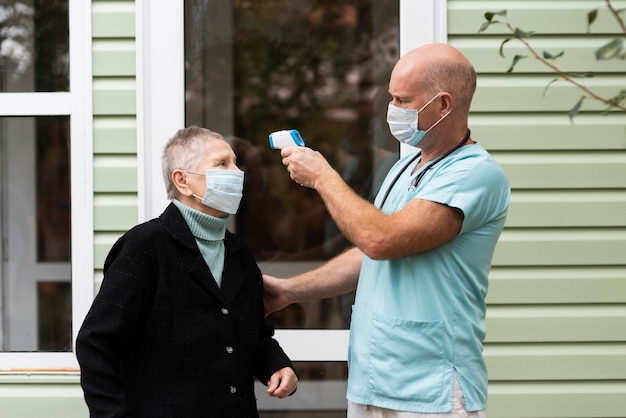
(419, 319)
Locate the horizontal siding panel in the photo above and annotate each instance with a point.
(115, 213)
(571, 323)
(557, 285)
(570, 361)
(113, 19)
(103, 242)
(37, 401)
(113, 58)
(97, 279)
(525, 93)
(578, 54)
(557, 208)
(555, 247)
(549, 17)
(115, 174)
(582, 399)
(545, 132)
(534, 170)
(114, 97)
(114, 135)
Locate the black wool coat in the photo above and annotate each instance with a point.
(163, 340)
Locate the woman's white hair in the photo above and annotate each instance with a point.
(183, 152)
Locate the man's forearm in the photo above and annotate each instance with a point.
(338, 276)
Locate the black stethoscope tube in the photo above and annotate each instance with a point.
(423, 172)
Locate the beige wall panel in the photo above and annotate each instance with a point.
(567, 170)
(578, 55)
(571, 361)
(114, 97)
(564, 17)
(567, 323)
(115, 174)
(548, 131)
(575, 399)
(557, 208)
(525, 93)
(561, 247)
(113, 19)
(113, 58)
(42, 396)
(112, 213)
(557, 285)
(103, 241)
(114, 135)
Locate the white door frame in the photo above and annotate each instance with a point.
(76, 104)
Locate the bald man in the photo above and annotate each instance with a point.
(422, 252)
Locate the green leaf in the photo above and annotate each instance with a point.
(574, 110)
(484, 26)
(587, 74)
(546, 89)
(591, 17)
(617, 100)
(490, 15)
(610, 50)
(549, 56)
(502, 46)
(515, 61)
(523, 34)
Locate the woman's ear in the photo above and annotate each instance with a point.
(179, 178)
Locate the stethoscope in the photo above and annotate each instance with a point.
(421, 175)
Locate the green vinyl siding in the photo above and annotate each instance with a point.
(115, 135)
(556, 315)
(115, 165)
(42, 395)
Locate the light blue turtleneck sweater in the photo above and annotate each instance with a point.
(209, 232)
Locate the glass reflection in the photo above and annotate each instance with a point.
(319, 66)
(34, 46)
(35, 268)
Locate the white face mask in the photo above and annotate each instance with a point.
(403, 123)
(224, 189)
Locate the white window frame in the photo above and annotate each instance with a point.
(160, 79)
(77, 105)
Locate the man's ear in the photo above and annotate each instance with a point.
(179, 177)
(447, 102)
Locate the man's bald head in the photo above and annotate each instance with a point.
(434, 68)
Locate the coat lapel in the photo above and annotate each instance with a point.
(234, 274)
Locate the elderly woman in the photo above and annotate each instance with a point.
(177, 328)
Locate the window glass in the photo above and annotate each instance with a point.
(322, 67)
(34, 46)
(35, 205)
(253, 67)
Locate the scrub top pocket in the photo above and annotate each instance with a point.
(407, 358)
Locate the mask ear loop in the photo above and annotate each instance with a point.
(429, 102)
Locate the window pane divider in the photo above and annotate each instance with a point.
(37, 362)
(314, 344)
(35, 104)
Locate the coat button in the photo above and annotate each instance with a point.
(233, 389)
(229, 349)
(225, 311)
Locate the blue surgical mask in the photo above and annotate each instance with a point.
(224, 189)
(403, 123)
